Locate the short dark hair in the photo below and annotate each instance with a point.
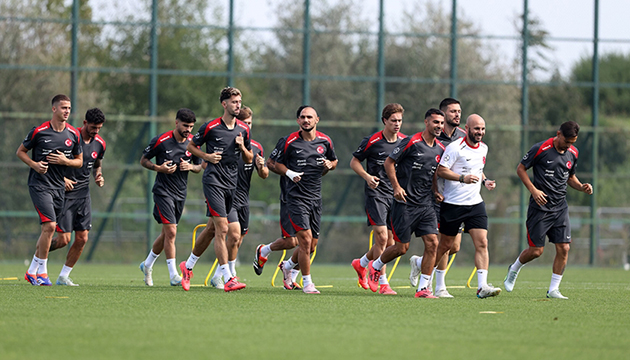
(391, 109)
(448, 101)
(228, 92)
(245, 113)
(94, 116)
(59, 97)
(186, 116)
(299, 110)
(570, 129)
(433, 111)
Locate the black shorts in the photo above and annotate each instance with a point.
(554, 224)
(75, 216)
(305, 215)
(240, 215)
(218, 200)
(437, 208)
(167, 210)
(377, 210)
(472, 216)
(285, 221)
(48, 203)
(406, 219)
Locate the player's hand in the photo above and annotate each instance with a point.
(57, 158)
(184, 165)
(214, 158)
(240, 140)
(438, 197)
(99, 180)
(69, 184)
(167, 167)
(490, 184)
(294, 175)
(41, 167)
(328, 164)
(587, 188)
(539, 197)
(373, 182)
(471, 179)
(400, 193)
(260, 161)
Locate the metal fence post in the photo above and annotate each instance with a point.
(524, 123)
(594, 233)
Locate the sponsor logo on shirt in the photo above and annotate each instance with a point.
(47, 140)
(298, 151)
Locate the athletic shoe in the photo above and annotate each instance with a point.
(217, 282)
(310, 289)
(186, 275)
(43, 280)
(176, 280)
(373, 276)
(31, 278)
(148, 277)
(361, 272)
(555, 294)
(425, 293)
(233, 285)
(296, 286)
(510, 279)
(259, 260)
(443, 293)
(65, 280)
(487, 291)
(385, 289)
(287, 280)
(415, 271)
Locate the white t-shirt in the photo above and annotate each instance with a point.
(464, 159)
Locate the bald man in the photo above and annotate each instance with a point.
(462, 168)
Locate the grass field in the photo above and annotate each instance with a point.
(114, 315)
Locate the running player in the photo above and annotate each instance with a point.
(226, 139)
(554, 162)
(170, 151)
(451, 132)
(238, 218)
(462, 168)
(56, 147)
(379, 195)
(77, 208)
(311, 154)
(411, 170)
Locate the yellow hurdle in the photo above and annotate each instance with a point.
(273, 278)
(216, 261)
(470, 278)
(450, 262)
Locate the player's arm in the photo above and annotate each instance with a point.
(372, 181)
(98, 173)
(390, 170)
(489, 184)
(434, 187)
(40, 167)
(248, 155)
(261, 168)
(539, 196)
(575, 183)
(167, 167)
(282, 170)
(60, 158)
(448, 174)
(329, 165)
(271, 165)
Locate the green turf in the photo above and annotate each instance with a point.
(114, 315)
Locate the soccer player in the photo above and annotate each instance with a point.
(238, 218)
(452, 114)
(173, 161)
(55, 147)
(304, 157)
(411, 169)
(462, 167)
(554, 161)
(226, 139)
(77, 208)
(379, 195)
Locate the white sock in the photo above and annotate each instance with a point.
(227, 274)
(265, 251)
(232, 264)
(439, 279)
(43, 266)
(192, 260)
(517, 265)
(364, 261)
(307, 280)
(482, 278)
(424, 282)
(172, 269)
(150, 260)
(294, 274)
(383, 280)
(378, 264)
(555, 281)
(289, 264)
(34, 265)
(65, 271)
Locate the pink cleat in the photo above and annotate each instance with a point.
(386, 290)
(361, 272)
(186, 275)
(233, 285)
(373, 276)
(425, 293)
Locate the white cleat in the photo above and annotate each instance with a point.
(510, 279)
(487, 291)
(65, 280)
(310, 289)
(415, 270)
(176, 280)
(443, 293)
(555, 294)
(148, 274)
(217, 282)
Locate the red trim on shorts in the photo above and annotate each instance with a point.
(295, 227)
(372, 223)
(164, 221)
(58, 229)
(529, 240)
(284, 233)
(42, 217)
(212, 212)
(391, 224)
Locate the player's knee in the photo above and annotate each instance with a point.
(454, 248)
(80, 240)
(536, 251)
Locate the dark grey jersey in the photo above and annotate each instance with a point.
(245, 171)
(92, 151)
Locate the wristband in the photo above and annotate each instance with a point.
(292, 174)
(461, 178)
(483, 182)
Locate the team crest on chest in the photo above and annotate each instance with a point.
(320, 149)
(94, 154)
(437, 158)
(68, 142)
(188, 153)
(569, 164)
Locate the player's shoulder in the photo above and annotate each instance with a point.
(101, 141)
(42, 127)
(73, 130)
(210, 124)
(573, 150)
(439, 144)
(543, 146)
(289, 139)
(242, 125)
(459, 132)
(321, 135)
(401, 135)
(160, 139)
(256, 144)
